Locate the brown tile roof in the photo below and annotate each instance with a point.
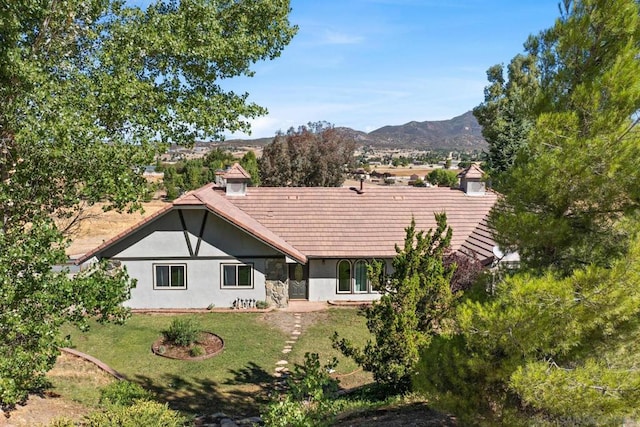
(307, 222)
(217, 204)
(236, 172)
(472, 171)
(338, 222)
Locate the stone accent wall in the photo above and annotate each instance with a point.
(276, 282)
(277, 293)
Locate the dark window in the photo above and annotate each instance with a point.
(237, 275)
(169, 276)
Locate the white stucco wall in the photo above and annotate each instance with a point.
(203, 278)
(323, 282)
(163, 242)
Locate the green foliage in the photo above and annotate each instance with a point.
(262, 304)
(311, 156)
(308, 400)
(182, 331)
(87, 89)
(552, 344)
(443, 178)
(576, 179)
(507, 114)
(142, 413)
(124, 393)
(416, 300)
(196, 351)
(191, 174)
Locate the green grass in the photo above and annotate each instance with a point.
(237, 381)
(317, 339)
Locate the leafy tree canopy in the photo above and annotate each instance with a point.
(443, 177)
(87, 88)
(315, 155)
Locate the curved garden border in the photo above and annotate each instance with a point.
(156, 345)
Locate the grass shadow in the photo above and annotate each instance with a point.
(241, 396)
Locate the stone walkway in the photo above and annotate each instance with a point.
(297, 308)
(282, 371)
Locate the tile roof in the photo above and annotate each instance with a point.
(236, 172)
(472, 171)
(338, 222)
(321, 222)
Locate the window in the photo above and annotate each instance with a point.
(237, 275)
(353, 277)
(361, 279)
(344, 276)
(170, 276)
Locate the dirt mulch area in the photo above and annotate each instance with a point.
(210, 343)
(42, 410)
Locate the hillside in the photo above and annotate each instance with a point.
(459, 133)
(462, 132)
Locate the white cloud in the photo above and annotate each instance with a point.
(337, 38)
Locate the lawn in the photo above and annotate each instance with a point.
(237, 381)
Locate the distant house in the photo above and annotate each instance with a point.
(227, 241)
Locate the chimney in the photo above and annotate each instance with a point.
(472, 181)
(236, 180)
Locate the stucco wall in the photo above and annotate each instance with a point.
(323, 283)
(203, 278)
(163, 242)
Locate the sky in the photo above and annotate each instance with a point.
(365, 64)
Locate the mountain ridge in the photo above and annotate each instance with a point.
(461, 133)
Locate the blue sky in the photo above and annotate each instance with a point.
(365, 64)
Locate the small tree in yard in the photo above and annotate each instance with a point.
(416, 298)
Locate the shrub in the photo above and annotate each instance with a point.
(308, 401)
(182, 332)
(140, 414)
(123, 393)
(262, 304)
(196, 351)
(62, 422)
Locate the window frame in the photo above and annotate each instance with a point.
(352, 276)
(338, 279)
(170, 266)
(236, 268)
(367, 283)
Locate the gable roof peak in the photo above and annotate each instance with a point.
(236, 172)
(472, 172)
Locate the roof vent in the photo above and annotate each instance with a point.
(472, 181)
(358, 191)
(236, 180)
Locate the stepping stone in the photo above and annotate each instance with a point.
(281, 368)
(295, 333)
(290, 342)
(297, 325)
(294, 337)
(282, 362)
(288, 346)
(286, 350)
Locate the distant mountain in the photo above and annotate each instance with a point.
(462, 133)
(459, 133)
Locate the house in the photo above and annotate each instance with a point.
(228, 241)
